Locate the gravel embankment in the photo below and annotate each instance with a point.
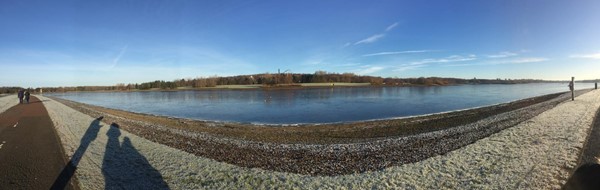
(535, 154)
(7, 102)
(328, 159)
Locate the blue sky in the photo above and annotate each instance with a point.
(68, 43)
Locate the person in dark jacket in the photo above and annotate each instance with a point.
(20, 95)
(27, 96)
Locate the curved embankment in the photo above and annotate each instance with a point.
(537, 153)
(329, 149)
(7, 102)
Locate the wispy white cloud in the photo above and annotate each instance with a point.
(510, 61)
(453, 58)
(503, 54)
(370, 39)
(375, 37)
(368, 69)
(587, 56)
(115, 61)
(347, 65)
(99, 68)
(395, 52)
(313, 62)
(527, 60)
(407, 67)
(391, 27)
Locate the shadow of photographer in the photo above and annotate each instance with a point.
(123, 166)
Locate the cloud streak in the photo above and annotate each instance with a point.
(370, 39)
(313, 62)
(527, 60)
(375, 37)
(391, 27)
(118, 58)
(503, 54)
(395, 52)
(511, 61)
(402, 68)
(369, 69)
(347, 65)
(587, 56)
(453, 58)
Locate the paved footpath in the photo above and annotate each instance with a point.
(30, 152)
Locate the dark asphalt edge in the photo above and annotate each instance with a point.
(74, 182)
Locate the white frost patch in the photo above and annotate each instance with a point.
(16, 124)
(7, 102)
(536, 154)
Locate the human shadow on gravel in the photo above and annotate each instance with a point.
(585, 177)
(67, 173)
(124, 167)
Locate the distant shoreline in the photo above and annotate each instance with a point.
(244, 87)
(288, 86)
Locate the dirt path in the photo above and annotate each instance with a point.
(30, 151)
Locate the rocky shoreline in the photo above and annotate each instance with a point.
(331, 149)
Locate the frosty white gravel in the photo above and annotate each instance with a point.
(535, 154)
(7, 102)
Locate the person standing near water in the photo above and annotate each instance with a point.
(572, 88)
(20, 95)
(27, 96)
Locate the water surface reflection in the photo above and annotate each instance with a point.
(315, 105)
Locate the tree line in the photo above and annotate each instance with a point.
(275, 79)
(12, 89)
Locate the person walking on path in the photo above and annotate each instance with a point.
(27, 96)
(20, 95)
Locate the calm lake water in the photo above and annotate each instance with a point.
(314, 105)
